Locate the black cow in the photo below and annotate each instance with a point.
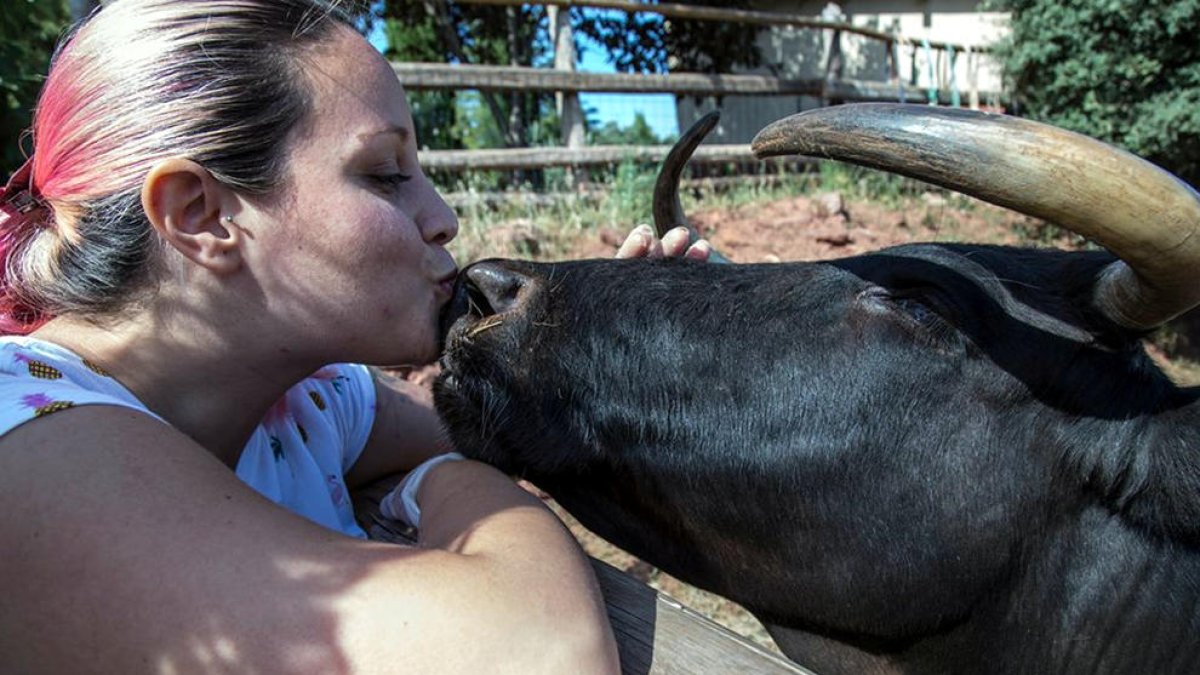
(929, 459)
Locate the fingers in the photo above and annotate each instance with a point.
(638, 243)
(641, 243)
(700, 250)
(675, 242)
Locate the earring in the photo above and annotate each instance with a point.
(228, 219)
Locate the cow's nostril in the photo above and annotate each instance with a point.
(498, 286)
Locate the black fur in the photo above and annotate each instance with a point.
(930, 459)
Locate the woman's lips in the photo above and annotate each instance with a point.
(445, 287)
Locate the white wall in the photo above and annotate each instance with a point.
(802, 54)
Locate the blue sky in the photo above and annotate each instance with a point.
(659, 109)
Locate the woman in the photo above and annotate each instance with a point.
(223, 199)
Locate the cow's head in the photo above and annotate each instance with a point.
(861, 448)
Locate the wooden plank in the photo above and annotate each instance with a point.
(455, 77)
(700, 13)
(656, 635)
(570, 112)
(508, 159)
(591, 195)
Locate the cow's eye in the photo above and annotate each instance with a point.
(918, 310)
(924, 309)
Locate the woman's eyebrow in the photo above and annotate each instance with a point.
(396, 130)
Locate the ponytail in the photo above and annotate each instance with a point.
(23, 216)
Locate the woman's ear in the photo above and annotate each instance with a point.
(184, 204)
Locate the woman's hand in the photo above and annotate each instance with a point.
(641, 243)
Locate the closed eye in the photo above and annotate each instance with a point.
(918, 307)
(926, 316)
(917, 310)
(390, 181)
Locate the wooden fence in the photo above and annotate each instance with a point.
(655, 634)
(566, 84)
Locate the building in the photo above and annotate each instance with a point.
(962, 76)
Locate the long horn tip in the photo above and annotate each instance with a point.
(789, 136)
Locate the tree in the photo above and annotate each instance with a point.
(29, 30)
(648, 43)
(447, 32)
(441, 31)
(1125, 71)
(638, 132)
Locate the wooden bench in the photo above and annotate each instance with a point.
(656, 635)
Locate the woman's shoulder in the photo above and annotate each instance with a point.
(38, 378)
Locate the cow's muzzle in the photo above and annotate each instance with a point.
(483, 294)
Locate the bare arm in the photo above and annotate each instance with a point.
(406, 432)
(130, 549)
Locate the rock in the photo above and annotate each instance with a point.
(521, 237)
(829, 204)
(835, 238)
(933, 199)
(771, 258)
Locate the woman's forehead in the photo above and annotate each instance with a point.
(355, 90)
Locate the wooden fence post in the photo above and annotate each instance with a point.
(833, 69)
(569, 111)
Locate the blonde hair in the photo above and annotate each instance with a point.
(215, 81)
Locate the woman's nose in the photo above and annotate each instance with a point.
(438, 223)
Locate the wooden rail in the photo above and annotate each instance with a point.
(585, 194)
(656, 635)
(681, 11)
(567, 84)
(548, 157)
(519, 78)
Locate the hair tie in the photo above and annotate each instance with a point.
(19, 195)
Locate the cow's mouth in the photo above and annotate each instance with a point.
(467, 305)
(485, 296)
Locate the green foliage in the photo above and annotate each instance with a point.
(637, 133)
(448, 32)
(1125, 71)
(29, 30)
(632, 196)
(648, 43)
(442, 31)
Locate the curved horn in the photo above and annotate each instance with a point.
(1144, 215)
(668, 211)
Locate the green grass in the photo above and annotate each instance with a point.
(621, 198)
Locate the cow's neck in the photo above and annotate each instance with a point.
(1101, 596)
(1146, 470)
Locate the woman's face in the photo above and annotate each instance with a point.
(352, 253)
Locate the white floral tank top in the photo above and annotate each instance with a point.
(297, 457)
